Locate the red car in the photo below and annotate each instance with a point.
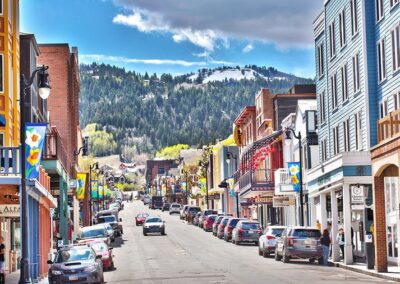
(103, 250)
(140, 218)
(208, 223)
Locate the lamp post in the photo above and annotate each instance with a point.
(186, 173)
(298, 137)
(95, 166)
(229, 157)
(44, 92)
(205, 164)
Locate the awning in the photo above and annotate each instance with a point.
(2, 120)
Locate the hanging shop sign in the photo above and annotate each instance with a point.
(10, 210)
(231, 183)
(263, 200)
(357, 194)
(95, 189)
(283, 201)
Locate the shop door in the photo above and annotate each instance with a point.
(392, 208)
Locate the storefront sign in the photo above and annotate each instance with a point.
(283, 201)
(10, 210)
(263, 200)
(357, 194)
(81, 185)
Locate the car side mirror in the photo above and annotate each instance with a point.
(98, 256)
(49, 261)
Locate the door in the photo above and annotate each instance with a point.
(392, 208)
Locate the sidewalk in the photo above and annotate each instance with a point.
(393, 273)
(13, 278)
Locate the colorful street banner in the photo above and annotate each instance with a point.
(101, 189)
(231, 183)
(183, 186)
(81, 183)
(35, 134)
(203, 184)
(95, 189)
(294, 171)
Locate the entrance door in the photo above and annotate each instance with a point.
(392, 207)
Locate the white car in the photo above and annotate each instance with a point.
(267, 241)
(175, 208)
(153, 224)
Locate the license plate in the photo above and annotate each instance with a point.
(73, 278)
(308, 242)
(251, 231)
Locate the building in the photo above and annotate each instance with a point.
(157, 173)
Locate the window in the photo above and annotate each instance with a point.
(343, 72)
(1, 139)
(396, 48)
(381, 60)
(1, 7)
(323, 150)
(383, 108)
(342, 31)
(356, 73)
(332, 46)
(393, 3)
(379, 9)
(358, 131)
(335, 131)
(322, 108)
(1, 73)
(346, 136)
(353, 11)
(320, 54)
(396, 101)
(334, 92)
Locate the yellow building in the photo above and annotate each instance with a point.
(9, 74)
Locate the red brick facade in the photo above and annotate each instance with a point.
(381, 260)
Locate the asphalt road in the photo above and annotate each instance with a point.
(187, 254)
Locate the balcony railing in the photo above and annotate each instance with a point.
(10, 161)
(389, 126)
(236, 176)
(55, 150)
(257, 178)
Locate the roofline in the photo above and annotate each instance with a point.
(245, 109)
(295, 95)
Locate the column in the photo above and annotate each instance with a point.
(348, 248)
(334, 230)
(313, 214)
(381, 262)
(63, 207)
(76, 214)
(324, 212)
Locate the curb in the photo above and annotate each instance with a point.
(367, 272)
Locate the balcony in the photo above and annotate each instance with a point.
(389, 126)
(283, 182)
(254, 181)
(54, 150)
(9, 161)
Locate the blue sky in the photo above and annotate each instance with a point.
(177, 36)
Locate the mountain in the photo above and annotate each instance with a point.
(146, 112)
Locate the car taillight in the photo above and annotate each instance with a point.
(259, 231)
(229, 228)
(222, 226)
(240, 230)
(270, 238)
(290, 242)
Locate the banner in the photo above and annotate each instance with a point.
(294, 172)
(95, 184)
(35, 134)
(231, 183)
(100, 192)
(81, 183)
(202, 184)
(183, 186)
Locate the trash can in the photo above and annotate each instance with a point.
(369, 251)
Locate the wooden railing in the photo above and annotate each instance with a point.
(389, 126)
(257, 178)
(55, 150)
(44, 179)
(10, 161)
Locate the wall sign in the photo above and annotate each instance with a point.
(283, 201)
(10, 210)
(357, 194)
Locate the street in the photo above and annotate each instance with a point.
(187, 254)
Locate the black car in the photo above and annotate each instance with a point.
(76, 264)
(165, 207)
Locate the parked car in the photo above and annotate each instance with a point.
(140, 218)
(112, 211)
(91, 233)
(76, 264)
(299, 242)
(110, 231)
(216, 224)
(225, 214)
(230, 225)
(103, 250)
(165, 207)
(208, 222)
(153, 224)
(221, 227)
(110, 219)
(175, 208)
(196, 219)
(191, 213)
(183, 212)
(246, 232)
(115, 205)
(204, 214)
(267, 241)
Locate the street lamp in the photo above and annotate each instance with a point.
(44, 92)
(229, 157)
(84, 148)
(95, 166)
(205, 164)
(288, 137)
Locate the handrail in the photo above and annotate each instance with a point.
(55, 150)
(389, 126)
(10, 161)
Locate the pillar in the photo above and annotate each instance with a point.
(348, 248)
(313, 212)
(63, 207)
(324, 212)
(75, 203)
(381, 262)
(335, 221)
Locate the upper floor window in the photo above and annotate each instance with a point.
(335, 140)
(346, 136)
(334, 92)
(1, 7)
(322, 107)
(383, 109)
(393, 3)
(379, 9)
(396, 101)
(354, 18)
(324, 152)
(1, 73)
(381, 60)
(1, 139)
(345, 95)
(357, 131)
(342, 24)
(332, 45)
(396, 48)
(356, 73)
(320, 55)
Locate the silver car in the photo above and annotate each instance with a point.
(246, 232)
(175, 208)
(267, 241)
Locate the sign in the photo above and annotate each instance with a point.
(95, 184)
(368, 238)
(81, 183)
(283, 201)
(35, 134)
(294, 172)
(263, 200)
(357, 194)
(231, 183)
(10, 210)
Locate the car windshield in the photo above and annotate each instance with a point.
(93, 233)
(233, 222)
(99, 247)
(106, 219)
(224, 221)
(276, 232)
(195, 209)
(304, 233)
(250, 226)
(74, 254)
(153, 220)
(175, 205)
(142, 215)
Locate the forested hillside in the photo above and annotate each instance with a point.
(145, 113)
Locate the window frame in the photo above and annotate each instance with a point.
(346, 136)
(354, 17)
(395, 37)
(320, 55)
(358, 131)
(396, 101)
(393, 3)
(345, 87)
(379, 10)
(322, 110)
(381, 57)
(334, 92)
(356, 73)
(332, 43)
(335, 137)
(324, 151)
(342, 28)
(383, 108)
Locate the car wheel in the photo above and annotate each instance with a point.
(277, 256)
(256, 243)
(237, 243)
(260, 251)
(311, 260)
(163, 232)
(144, 233)
(169, 213)
(112, 267)
(137, 224)
(285, 257)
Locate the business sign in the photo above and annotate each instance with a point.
(231, 183)
(10, 210)
(95, 188)
(294, 172)
(263, 200)
(35, 134)
(283, 201)
(81, 184)
(357, 194)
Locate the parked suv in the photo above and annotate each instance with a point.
(246, 232)
(232, 222)
(191, 213)
(221, 227)
(267, 241)
(299, 242)
(183, 212)
(204, 215)
(216, 224)
(175, 208)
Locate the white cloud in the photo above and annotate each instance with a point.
(210, 24)
(248, 48)
(204, 54)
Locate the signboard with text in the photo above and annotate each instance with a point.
(10, 210)
(283, 201)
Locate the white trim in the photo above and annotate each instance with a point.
(332, 38)
(342, 28)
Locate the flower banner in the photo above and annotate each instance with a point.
(101, 189)
(95, 190)
(81, 183)
(294, 171)
(203, 185)
(35, 134)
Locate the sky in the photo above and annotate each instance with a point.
(180, 36)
